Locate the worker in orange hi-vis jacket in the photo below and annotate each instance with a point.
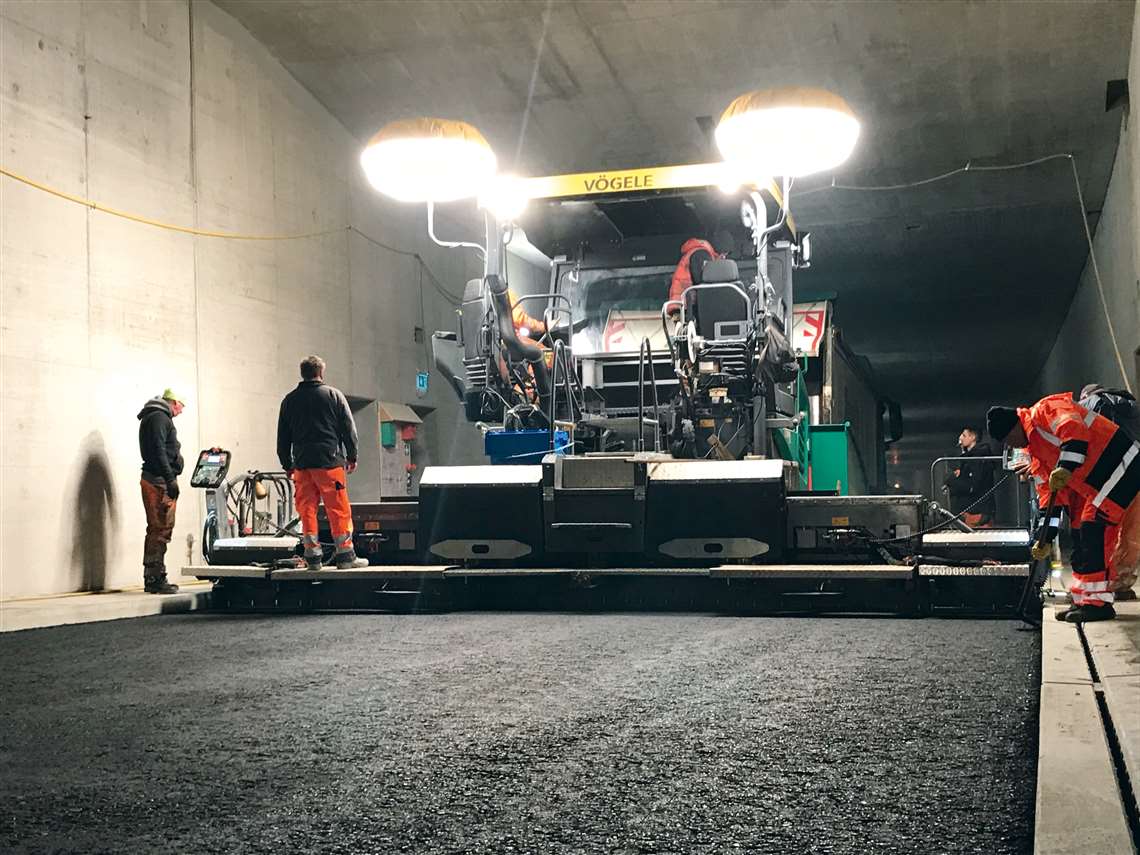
(1091, 456)
(525, 325)
(1065, 502)
(695, 254)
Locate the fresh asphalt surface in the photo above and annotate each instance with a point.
(519, 733)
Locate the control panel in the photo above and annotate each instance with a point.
(211, 468)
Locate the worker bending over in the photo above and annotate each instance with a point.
(161, 465)
(1118, 406)
(1093, 458)
(317, 446)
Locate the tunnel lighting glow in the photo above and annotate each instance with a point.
(506, 197)
(792, 131)
(428, 160)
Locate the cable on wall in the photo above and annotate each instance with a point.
(969, 167)
(189, 230)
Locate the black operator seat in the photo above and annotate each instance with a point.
(720, 313)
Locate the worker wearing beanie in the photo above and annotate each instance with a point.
(1090, 455)
(317, 445)
(161, 465)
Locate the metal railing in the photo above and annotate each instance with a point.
(1012, 503)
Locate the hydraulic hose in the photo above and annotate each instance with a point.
(644, 353)
(516, 347)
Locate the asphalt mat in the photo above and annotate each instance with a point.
(519, 733)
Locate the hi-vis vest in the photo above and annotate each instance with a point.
(1104, 461)
(682, 277)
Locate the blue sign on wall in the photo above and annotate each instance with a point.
(421, 383)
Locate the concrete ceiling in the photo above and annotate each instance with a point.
(954, 290)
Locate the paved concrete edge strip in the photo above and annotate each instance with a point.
(1078, 809)
(1115, 650)
(18, 615)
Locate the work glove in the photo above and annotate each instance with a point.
(172, 490)
(1059, 478)
(1040, 551)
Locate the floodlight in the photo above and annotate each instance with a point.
(505, 196)
(791, 131)
(428, 160)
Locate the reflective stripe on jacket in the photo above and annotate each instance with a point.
(1104, 461)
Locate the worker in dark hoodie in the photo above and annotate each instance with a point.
(161, 465)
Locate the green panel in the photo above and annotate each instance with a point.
(388, 434)
(829, 457)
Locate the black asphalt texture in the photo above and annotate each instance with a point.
(519, 733)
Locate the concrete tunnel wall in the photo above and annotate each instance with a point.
(190, 121)
(1083, 351)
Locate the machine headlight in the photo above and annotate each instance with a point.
(506, 197)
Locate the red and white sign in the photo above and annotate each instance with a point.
(626, 328)
(809, 321)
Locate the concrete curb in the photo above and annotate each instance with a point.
(1079, 809)
(1115, 649)
(87, 608)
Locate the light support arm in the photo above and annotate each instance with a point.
(450, 244)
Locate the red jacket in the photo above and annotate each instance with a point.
(1104, 461)
(682, 276)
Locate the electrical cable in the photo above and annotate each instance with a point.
(946, 522)
(533, 80)
(969, 167)
(147, 221)
(189, 230)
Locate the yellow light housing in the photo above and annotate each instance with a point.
(791, 131)
(428, 160)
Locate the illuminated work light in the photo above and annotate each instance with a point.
(505, 196)
(792, 131)
(428, 160)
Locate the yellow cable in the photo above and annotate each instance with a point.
(87, 203)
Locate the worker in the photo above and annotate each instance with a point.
(971, 482)
(1065, 503)
(695, 254)
(525, 325)
(1098, 461)
(1123, 556)
(317, 446)
(529, 328)
(161, 465)
(1116, 405)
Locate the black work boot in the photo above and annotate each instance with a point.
(1090, 614)
(154, 575)
(349, 561)
(159, 585)
(313, 562)
(1063, 615)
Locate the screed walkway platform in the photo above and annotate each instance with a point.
(1090, 704)
(36, 612)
